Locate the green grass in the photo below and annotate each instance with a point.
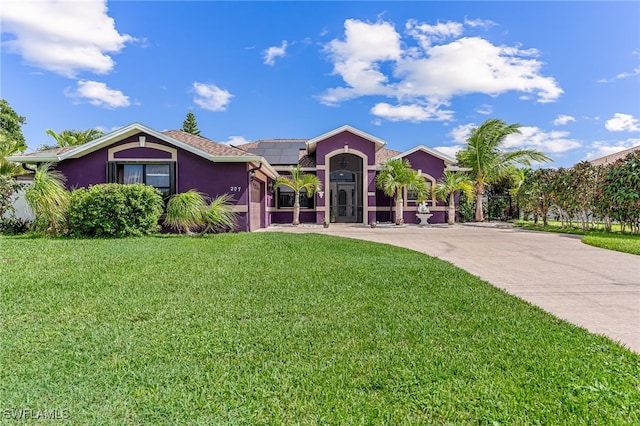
(624, 242)
(278, 329)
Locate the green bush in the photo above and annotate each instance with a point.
(114, 210)
(14, 226)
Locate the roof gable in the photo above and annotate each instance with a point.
(311, 143)
(447, 160)
(197, 145)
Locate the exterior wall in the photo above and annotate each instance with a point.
(214, 179)
(192, 172)
(286, 216)
(85, 171)
(353, 144)
(433, 170)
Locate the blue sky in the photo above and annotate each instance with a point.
(407, 72)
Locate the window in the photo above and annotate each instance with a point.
(286, 198)
(159, 175)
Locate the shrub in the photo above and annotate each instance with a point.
(115, 210)
(14, 226)
(49, 199)
(191, 211)
(186, 212)
(8, 188)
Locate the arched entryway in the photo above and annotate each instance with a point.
(346, 194)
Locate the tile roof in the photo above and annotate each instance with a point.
(612, 158)
(384, 154)
(207, 145)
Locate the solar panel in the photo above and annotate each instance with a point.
(280, 153)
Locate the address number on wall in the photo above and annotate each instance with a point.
(235, 188)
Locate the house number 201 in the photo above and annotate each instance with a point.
(235, 188)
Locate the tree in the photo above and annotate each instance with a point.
(298, 181)
(190, 125)
(49, 199)
(622, 189)
(485, 156)
(72, 137)
(396, 176)
(11, 138)
(451, 183)
(536, 194)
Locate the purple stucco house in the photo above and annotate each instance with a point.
(346, 160)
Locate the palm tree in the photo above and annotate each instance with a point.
(485, 156)
(73, 137)
(396, 176)
(189, 211)
(298, 181)
(49, 199)
(9, 147)
(446, 188)
(186, 211)
(220, 214)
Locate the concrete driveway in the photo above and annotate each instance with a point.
(591, 287)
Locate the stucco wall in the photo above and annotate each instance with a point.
(192, 171)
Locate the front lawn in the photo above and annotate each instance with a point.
(618, 241)
(271, 328)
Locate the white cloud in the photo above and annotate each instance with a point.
(622, 123)
(622, 75)
(374, 60)
(449, 150)
(604, 148)
(484, 109)
(236, 140)
(482, 23)
(461, 133)
(65, 37)
(357, 59)
(274, 52)
(563, 119)
(211, 97)
(474, 65)
(414, 112)
(98, 94)
(534, 138)
(426, 34)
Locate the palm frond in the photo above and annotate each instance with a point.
(220, 213)
(186, 212)
(49, 199)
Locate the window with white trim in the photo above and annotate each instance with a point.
(159, 175)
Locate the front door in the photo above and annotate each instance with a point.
(345, 202)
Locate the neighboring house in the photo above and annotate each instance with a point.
(612, 158)
(345, 159)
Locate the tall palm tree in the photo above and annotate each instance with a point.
(485, 156)
(446, 188)
(396, 176)
(298, 181)
(73, 137)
